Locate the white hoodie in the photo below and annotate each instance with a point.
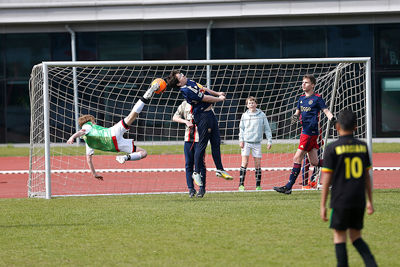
(252, 127)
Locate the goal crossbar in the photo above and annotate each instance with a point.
(206, 62)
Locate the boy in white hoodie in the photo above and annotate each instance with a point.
(253, 125)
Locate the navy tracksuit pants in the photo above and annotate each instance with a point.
(190, 148)
(207, 127)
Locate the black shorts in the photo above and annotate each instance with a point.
(342, 219)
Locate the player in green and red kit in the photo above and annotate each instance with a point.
(308, 108)
(346, 167)
(111, 139)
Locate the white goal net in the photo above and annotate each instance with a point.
(62, 91)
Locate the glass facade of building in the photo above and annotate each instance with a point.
(19, 52)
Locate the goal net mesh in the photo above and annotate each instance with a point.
(109, 93)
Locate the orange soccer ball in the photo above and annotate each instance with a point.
(162, 85)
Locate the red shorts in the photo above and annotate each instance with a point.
(308, 142)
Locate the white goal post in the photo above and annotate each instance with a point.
(62, 91)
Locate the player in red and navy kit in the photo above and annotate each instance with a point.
(184, 115)
(308, 108)
(201, 100)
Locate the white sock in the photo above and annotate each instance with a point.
(138, 106)
(134, 156)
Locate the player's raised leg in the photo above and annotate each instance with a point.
(127, 145)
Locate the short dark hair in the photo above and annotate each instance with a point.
(347, 119)
(311, 78)
(172, 81)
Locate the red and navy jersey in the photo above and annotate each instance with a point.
(309, 112)
(193, 93)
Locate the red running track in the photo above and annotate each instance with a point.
(15, 185)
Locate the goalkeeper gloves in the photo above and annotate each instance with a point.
(294, 119)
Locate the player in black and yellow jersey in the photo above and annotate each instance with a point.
(346, 167)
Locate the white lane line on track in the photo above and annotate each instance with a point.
(165, 170)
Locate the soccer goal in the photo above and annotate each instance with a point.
(62, 91)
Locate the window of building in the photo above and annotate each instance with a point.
(17, 111)
(2, 57)
(86, 46)
(303, 42)
(61, 46)
(258, 43)
(2, 112)
(388, 45)
(222, 43)
(197, 44)
(164, 45)
(23, 51)
(390, 102)
(119, 46)
(350, 41)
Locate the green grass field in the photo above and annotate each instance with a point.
(223, 229)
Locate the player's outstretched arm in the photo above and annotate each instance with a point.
(75, 135)
(92, 169)
(213, 99)
(214, 93)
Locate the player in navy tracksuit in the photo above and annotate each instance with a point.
(308, 106)
(201, 99)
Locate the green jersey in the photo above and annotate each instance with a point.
(98, 137)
